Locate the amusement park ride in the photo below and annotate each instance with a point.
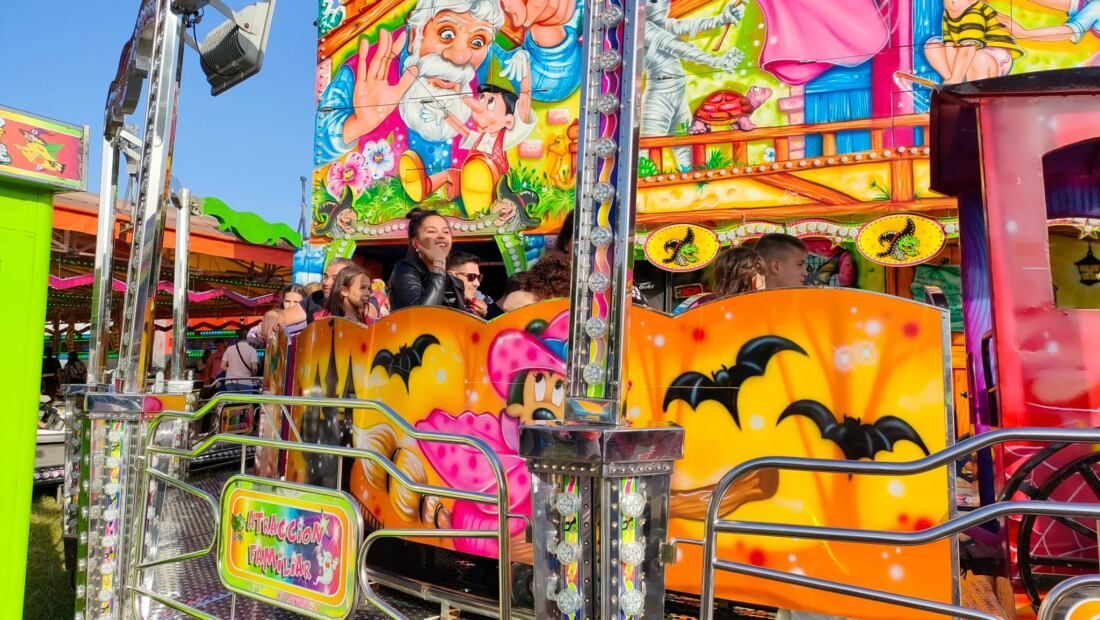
(790, 448)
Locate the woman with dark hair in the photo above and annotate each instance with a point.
(421, 278)
(547, 279)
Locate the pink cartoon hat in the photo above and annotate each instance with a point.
(515, 350)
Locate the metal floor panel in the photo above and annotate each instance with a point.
(187, 524)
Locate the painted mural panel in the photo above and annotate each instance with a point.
(860, 362)
(799, 108)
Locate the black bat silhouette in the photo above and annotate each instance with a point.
(724, 385)
(407, 359)
(855, 439)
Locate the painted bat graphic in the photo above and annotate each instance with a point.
(406, 360)
(724, 385)
(855, 439)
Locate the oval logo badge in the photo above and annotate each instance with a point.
(900, 240)
(681, 247)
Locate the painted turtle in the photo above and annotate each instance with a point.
(728, 108)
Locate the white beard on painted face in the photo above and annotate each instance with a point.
(424, 106)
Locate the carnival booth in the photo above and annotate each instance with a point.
(38, 158)
(789, 449)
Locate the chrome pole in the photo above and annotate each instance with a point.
(152, 199)
(180, 279)
(104, 263)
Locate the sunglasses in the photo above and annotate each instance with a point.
(469, 277)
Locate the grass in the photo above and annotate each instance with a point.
(554, 202)
(880, 192)
(49, 593)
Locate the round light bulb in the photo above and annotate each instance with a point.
(632, 553)
(603, 192)
(607, 103)
(604, 147)
(599, 282)
(609, 60)
(611, 16)
(632, 504)
(632, 602)
(569, 602)
(567, 552)
(601, 236)
(593, 374)
(567, 504)
(595, 327)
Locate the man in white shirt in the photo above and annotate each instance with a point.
(240, 364)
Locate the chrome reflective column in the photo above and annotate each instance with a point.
(180, 279)
(100, 341)
(152, 200)
(112, 431)
(600, 486)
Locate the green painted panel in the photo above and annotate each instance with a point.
(25, 225)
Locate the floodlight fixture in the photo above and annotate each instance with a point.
(234, 50)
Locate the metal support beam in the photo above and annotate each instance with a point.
(604, 214)
(99, 343)
(180, 282)
(152, 199)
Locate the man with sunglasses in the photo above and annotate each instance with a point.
(467, 268)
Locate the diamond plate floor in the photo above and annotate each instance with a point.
(187, 524)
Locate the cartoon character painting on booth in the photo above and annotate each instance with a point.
(446, 96)
(526, 369)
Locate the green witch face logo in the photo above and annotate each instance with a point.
(901, 244)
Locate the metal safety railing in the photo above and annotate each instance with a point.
(499, 499)
(715, 525)
(1063, 594)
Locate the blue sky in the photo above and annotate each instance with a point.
(248, 146)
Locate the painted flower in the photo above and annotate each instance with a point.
(352, 172)
(379, 158)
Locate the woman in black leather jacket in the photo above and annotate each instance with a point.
(421, 278)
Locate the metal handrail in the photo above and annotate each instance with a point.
(500, 498)
(364, 571)
(949, 455)
(1059, 593)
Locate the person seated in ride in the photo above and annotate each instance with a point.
(293, 318)
(736, 271)
(421, 278)
(467, 268)
(351, 298)
(784, 260)
(547, 279)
